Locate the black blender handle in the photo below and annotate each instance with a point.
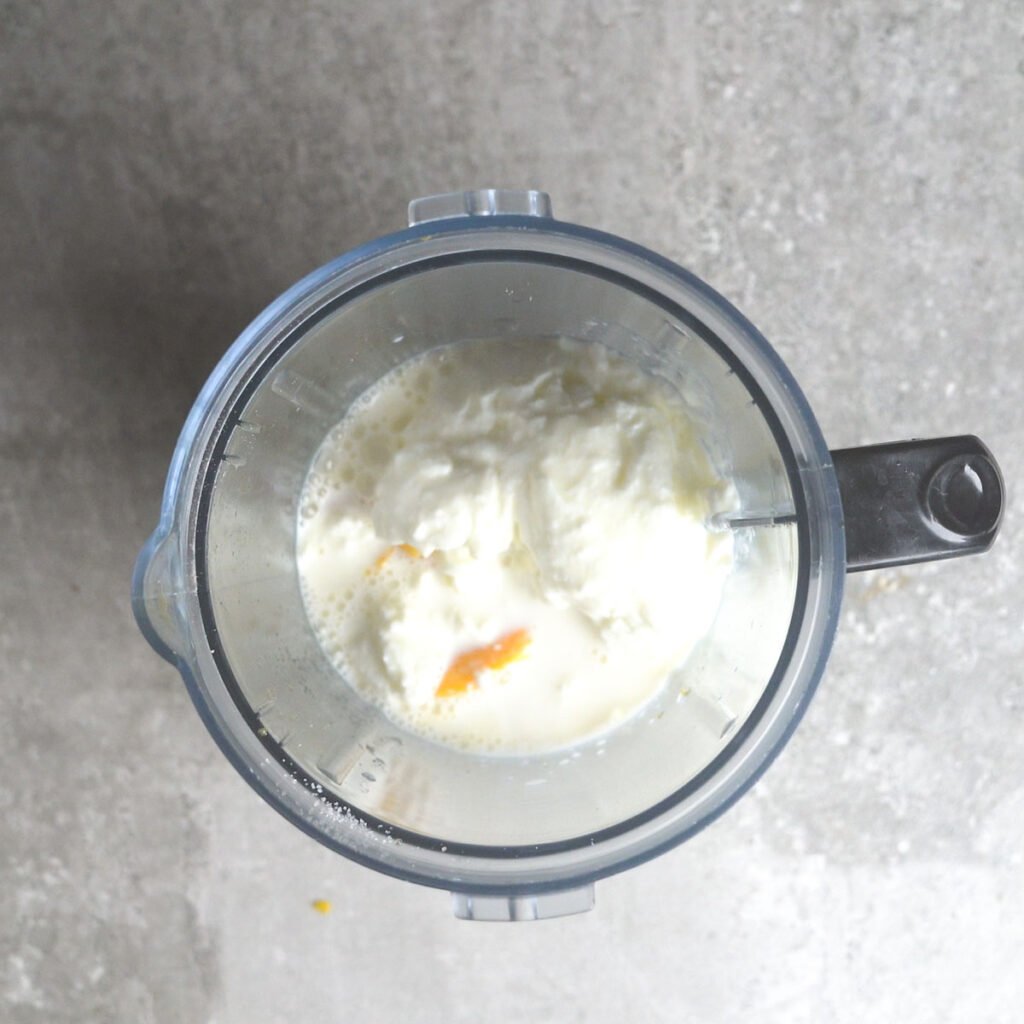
(914, 501)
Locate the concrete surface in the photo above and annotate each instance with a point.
(851, 175)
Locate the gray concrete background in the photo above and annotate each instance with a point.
(850, 175)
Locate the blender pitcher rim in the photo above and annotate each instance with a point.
(212, 396)
(317, 278)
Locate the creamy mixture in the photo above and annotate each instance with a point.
(503, 544)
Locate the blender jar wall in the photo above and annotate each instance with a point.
(193, 643)
(300, 706)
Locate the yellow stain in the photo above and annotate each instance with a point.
(322, 906)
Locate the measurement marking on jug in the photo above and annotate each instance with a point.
(506, 324)
(335, 767)
(730, 719)
(307, 396)
(673, 335)
(725, 521)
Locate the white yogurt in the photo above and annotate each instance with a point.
(504, 543)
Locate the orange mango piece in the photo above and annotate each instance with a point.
(464, 671)
(405, 549)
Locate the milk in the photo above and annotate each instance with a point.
(505, 546)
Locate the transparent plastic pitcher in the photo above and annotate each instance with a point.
(216, 589)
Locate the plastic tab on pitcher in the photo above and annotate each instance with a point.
(481, 202)
(470, 907)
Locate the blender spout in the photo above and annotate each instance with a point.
(154, 592)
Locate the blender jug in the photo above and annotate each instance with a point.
(216, 588)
